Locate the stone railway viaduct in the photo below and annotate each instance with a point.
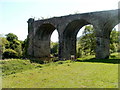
(39, 33)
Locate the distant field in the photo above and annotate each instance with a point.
(84, 73)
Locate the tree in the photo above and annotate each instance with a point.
(10, 37)
(15, 44)
(114, 42)
(24, 47)
(9, 53)
(86, 43)
(17, 47)
(54, 48)
(4, 43)
(79, 50)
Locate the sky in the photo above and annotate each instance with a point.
(15, 13)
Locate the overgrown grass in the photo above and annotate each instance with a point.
(62, 74)
(13, 66)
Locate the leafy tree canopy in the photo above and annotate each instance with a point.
(11, 37)
(9, 53)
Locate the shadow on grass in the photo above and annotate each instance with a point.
(113, 61)
(41, 60)
(36, 61)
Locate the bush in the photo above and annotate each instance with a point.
(9, 53)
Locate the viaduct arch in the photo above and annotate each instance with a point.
(39, 33)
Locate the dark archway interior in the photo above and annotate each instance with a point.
(74, 27)
(44, 31)
(42, 40)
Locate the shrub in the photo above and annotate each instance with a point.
(9, 53)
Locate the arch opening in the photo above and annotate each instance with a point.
(42, 40)
(54, 44)
(74, 26)
(44, 31)
(114, 41)
(86, 41)
(70, 37)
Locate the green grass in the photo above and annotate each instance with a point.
(84, 73)
(13, 66)
(114, 59)
(112, 56)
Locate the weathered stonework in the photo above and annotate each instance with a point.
(39, 33)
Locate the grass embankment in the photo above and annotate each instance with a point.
(63, 74)
(13, 66)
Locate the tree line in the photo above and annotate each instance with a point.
(11, 47)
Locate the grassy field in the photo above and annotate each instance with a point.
(84, 73)
(13, 66)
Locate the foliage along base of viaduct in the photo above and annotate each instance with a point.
(39, 33)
